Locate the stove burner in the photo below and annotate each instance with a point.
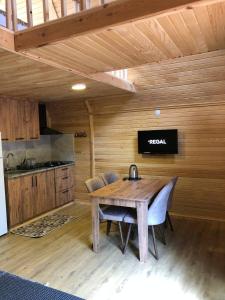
(47, 164)
(54, 163)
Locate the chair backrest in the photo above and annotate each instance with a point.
(157, 210)
(110, 177)
(93, 184)
(174, 181)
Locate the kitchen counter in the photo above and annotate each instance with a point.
(18, 173)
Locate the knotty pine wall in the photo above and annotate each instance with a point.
(191, 96)
(72, 117)
(200, 163)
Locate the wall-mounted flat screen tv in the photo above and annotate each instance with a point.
(158, 141)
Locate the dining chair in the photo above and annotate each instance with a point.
(109, 213)
(168, 218)
(110, 177)
(156, 215)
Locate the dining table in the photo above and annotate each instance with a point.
(136, 194)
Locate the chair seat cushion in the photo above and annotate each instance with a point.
(114, 213)
(131, 216)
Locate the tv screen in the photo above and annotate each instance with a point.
(158, 142)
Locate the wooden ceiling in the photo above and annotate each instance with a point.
(26, 78)
(194, 80)
(47, 72)
(182, 33)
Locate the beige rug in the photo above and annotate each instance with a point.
(43, 226)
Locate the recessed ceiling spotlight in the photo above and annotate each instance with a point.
(79, 86)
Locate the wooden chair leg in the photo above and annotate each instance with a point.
(169, 221)
(127, 238)
(154, 243)
(109, 223)
(121, 234)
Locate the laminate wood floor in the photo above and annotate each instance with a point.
(191, 266)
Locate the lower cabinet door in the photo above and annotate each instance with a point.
(44, 191)
(14, 204)
(50, 190)
(27, 197)
(64, 197)
(40, 193)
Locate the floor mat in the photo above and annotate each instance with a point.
(43, 226)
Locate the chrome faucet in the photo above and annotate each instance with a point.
(7, 160)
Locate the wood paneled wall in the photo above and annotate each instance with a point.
(192, 101)
(200, 163)
(72, 117)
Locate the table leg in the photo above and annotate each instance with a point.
(142, 219)
(95, 224)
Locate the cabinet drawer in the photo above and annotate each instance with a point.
(64, 197)
(64, 183)
(64, 171)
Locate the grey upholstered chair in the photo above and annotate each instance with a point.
(93, 184)
(110, 177)
(107, 213)
(156, 214)
(168, 219)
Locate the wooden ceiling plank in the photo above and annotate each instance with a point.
(106, 41)
(94, 55)
(103, 78)
(99, 18)
(202, 16)
(162, 39)
(144, 29)
(216, 17)
(195, 30)
(106, 50)
(143, 44)
(184, 33)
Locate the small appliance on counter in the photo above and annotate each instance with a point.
(133, 173)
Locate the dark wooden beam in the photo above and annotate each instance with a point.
(99, 18)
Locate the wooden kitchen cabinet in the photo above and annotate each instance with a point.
(33, 131)
(5, 124)
(19, 120)
(29, 196)
(20, 124)
(45, 191)
(64, 185)
(14, 203)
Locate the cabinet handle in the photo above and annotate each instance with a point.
(33, 138)
(64, 192)
(65, 178)
(19, 139)
(32, 181)
(36, 180)
(6, 139)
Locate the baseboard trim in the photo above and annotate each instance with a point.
(176, 215)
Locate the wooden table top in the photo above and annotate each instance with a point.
(140, 190)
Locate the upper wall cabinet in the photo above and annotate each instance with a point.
(19, 120)
(5, 119)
